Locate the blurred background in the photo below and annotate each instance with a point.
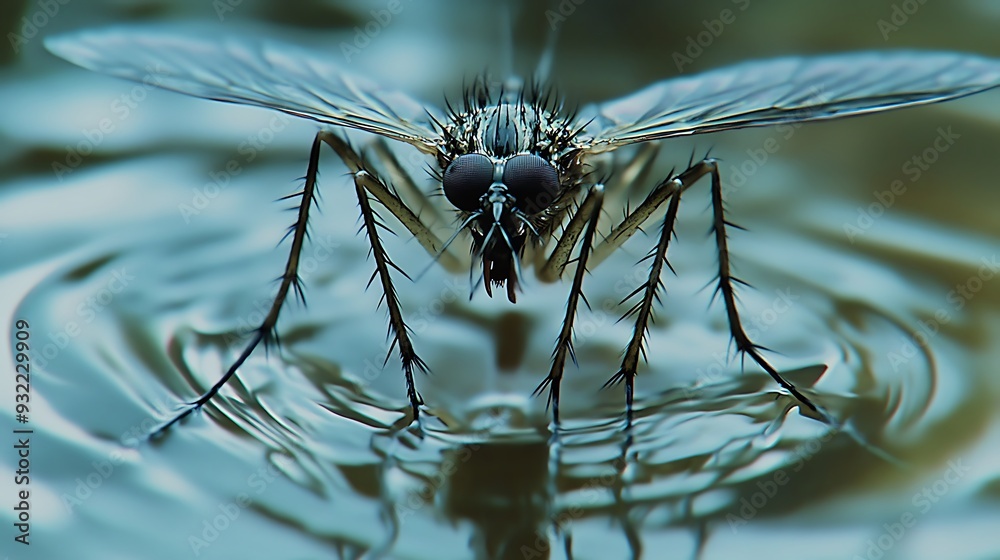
(141, 255)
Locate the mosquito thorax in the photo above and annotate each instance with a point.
(504, 124)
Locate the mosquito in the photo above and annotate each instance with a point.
(515, 164)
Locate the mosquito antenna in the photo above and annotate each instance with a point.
(511, 80)
(486, 240)
(473, 286)
(524, 219)
(545, 61)
(446, 244)
(507, 39)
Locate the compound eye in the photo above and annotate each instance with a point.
(466, 180)
(532, 181)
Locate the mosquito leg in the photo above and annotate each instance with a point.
(560, 208)
(586, 217)
(649, 291)
(427, 239)
(404, 182)
(289, 279)
(634, 220)
(553, 268)
(366, 182)
(635, 171)
(725, 287)
(643, 310)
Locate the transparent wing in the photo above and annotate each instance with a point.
(783, 90)
(249, 72)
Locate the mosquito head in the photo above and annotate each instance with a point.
(501, 196)
(508, 160)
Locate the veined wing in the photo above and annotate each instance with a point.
(249, 72)
(783, 90)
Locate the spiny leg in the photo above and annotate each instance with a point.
(586, 215)
(289, 279)
(423, 234)
(643, 309)
(726, 288)
(403, 181)
(553, 267)
(634, 170)
(562, 207)
(673, 188)
(634, 220)
(366, 182)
